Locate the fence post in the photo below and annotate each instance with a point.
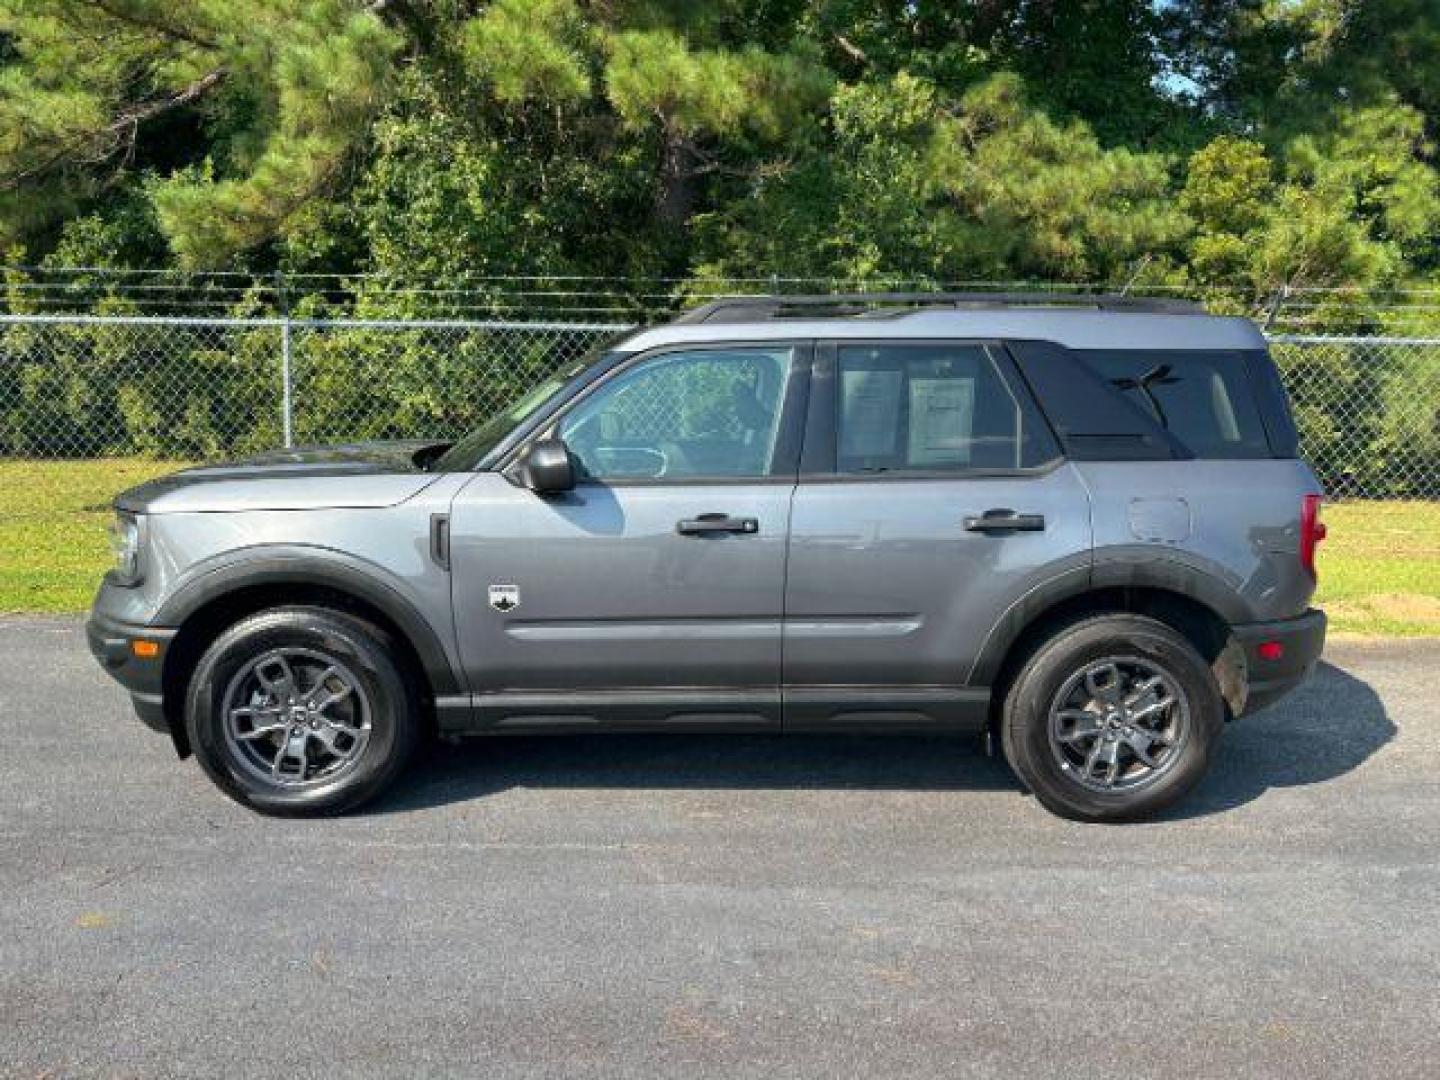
(1276, 303)
(287, 385)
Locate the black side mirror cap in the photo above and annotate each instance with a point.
(546, 467)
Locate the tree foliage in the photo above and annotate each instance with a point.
(1194, 142)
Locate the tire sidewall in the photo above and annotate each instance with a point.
(1027, 715)
(362, 649)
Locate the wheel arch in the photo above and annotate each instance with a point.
(1026, 627)
(205, 608)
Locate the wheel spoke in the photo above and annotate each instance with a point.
(1086, 725)
(277, 766)
(1154, 708)
(1142, 754)
(330, 698)
(262, 721)
(1143, 689)
(293, 746)
(1112, 763)
(284, 688)
(1143, 741)
(346, 729)
(261, 731)
(1104, 683)
(326, 738)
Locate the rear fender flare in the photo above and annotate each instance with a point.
(1138, 567)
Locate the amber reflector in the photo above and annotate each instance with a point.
(145, 650)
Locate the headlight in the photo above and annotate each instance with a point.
(125, 546)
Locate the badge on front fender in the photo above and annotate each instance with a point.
(504, 597)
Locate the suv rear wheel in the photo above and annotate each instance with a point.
(302, 711)
(1113, 718)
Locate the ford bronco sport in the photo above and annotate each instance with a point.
(1076, 526)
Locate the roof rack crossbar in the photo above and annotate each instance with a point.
(761, 307)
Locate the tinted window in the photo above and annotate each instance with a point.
(931, 407)
(683, 415)
(1274, 404)
(1203, 398)
(468, 451)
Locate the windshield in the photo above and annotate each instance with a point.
(470, 450)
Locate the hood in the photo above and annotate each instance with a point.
(359, 475)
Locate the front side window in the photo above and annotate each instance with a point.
(468, 451)
(931, 408)
(706, 413)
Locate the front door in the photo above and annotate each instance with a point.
(932, 498)
(652, 593)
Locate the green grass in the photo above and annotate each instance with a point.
(1379, 569)
(53, 514)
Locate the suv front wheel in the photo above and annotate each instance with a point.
(299, 711)
(1112, 719)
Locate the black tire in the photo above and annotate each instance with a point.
(389, 698)
(1026, 721)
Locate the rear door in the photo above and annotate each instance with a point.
(932, 498)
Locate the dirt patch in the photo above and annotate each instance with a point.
(1416, 608)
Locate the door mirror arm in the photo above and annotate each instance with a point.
(546, 467)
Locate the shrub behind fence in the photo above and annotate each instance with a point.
(75, 386)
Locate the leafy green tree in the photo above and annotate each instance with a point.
(923, 186)
(287, 88)
(1359, 205)
(920, 139)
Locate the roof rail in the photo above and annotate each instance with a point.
(759, 308)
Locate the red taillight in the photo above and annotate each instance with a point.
(1312, 531)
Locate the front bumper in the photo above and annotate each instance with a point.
(1268, 676)
(111, 643)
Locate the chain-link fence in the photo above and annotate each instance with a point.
(201, 388)
(1368, 409)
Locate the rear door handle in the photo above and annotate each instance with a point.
(1005, 520)
(716, 523)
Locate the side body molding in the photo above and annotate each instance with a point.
(298, 565)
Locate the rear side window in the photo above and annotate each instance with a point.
(1204, 399)
(936, 408)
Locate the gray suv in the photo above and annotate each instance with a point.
(1075, 526)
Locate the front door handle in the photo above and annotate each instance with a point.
(1005, 520)
(706, 524)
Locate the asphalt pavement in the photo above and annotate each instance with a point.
(700, 906)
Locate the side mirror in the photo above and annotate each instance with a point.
(546, 467)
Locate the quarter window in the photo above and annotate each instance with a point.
(931, 408)
(1203, 398)
(683, 415)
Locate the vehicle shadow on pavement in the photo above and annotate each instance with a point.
(1331, 725)
(1328, 727)
(479, 767)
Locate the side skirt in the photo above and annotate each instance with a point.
(874, 709)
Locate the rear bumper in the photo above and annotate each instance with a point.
(1269, 677)
(110, 644)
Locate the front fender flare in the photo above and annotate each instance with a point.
(276, 565)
